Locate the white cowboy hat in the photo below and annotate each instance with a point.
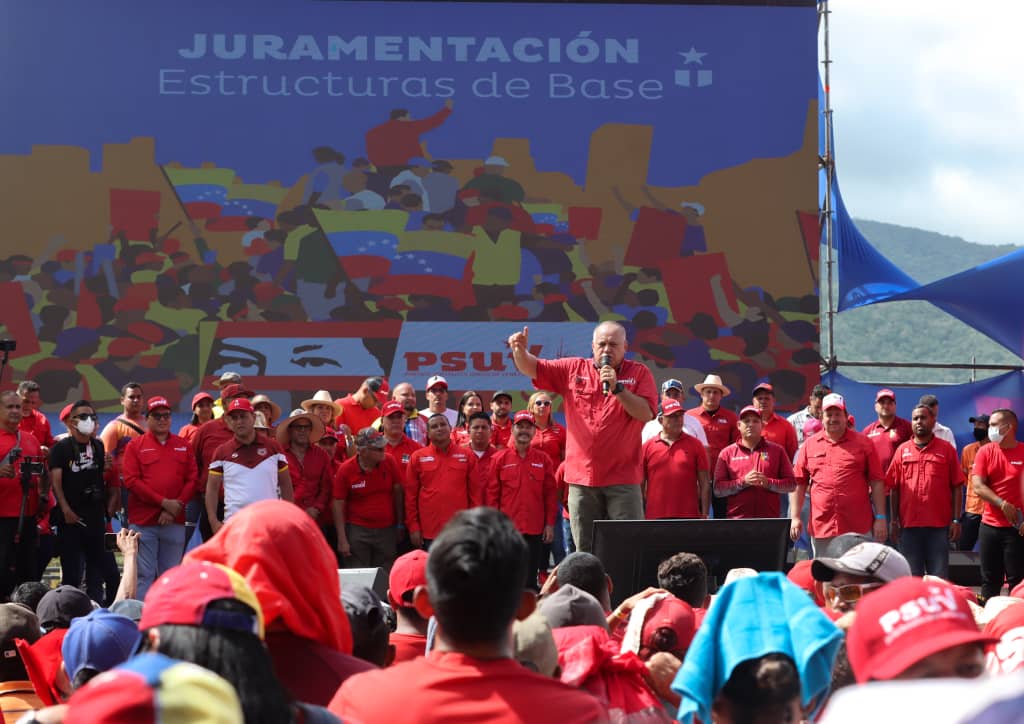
(275, 409)
(322, 397)
(281, 432)
(713, 381)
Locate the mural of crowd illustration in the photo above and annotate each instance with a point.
(392, 188)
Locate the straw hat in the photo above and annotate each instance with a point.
(322, 397)
(713, 381)
(275, 409)
(281, 432)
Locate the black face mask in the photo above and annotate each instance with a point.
(980, 434)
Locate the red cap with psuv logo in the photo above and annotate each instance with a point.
(885, 392)
(905, 622)
(155, 403)
(524, 416)
(749, 410)
(391, 408)
(670, 406)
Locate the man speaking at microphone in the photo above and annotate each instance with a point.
(607, 400)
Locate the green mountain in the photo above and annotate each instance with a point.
(917, 331)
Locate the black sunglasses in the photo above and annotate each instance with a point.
(86, 416)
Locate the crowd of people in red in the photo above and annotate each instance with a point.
(482, 518)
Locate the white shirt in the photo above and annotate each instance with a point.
(452, 415)
(944, 433)
(691, 426)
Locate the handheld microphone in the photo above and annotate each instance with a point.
(605, 361)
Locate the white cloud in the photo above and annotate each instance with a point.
(929, 111)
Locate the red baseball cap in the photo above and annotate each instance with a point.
(182, 594)
(670, 613)
(199, 397)
(833, 400)
(235, 391)
(240, 403)
(767, 386)
(155, 403)
(670, 406)
(800, 574)
(436, 381)
(407, 572)
(1007, 655)
(523, 415)
(905, 622)
(751, 410)
(66, 412)
(391, 408)
(885, 392)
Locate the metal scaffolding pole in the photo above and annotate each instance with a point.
(827, 163)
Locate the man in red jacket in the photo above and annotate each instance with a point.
(442, 479)
(160, 474)
(521, 484)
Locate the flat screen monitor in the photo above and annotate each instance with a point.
(632, 549)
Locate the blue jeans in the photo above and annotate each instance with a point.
(160, 548)
(926, 550)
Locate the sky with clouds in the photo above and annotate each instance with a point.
(928, 109)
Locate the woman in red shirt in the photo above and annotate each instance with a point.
(469, 403)
(550, 435)
(202, 412)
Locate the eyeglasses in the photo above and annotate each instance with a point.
(542, 403)
(850, 593)
(86, 416)
(160, 415)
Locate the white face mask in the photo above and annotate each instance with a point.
(87, 427)
(994, 435)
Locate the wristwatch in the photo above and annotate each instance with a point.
(619, 387)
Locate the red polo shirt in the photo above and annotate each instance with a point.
(1003, 469)
(155, 471)
(500, 435)
(10, 488)
(211, 436)
(523, 489)
(551, 439)
(599, 430)
(752, 501)
(671, 471)
(453, 687)
(779, 431)
(311, 477)
(353, 415)
(720, 428)
(887, 439)
(838, 474)
(369, 496)
(925, 479)
(438, 485)
(403, 451)
(39, 426)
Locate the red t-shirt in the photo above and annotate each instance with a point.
(403, 451)
(438, 485)
(211, 436)
(673, 490)
(769, 458)
(155, 471)
(452, 687)
(309, 670)
(369, 496)
(354, 415)
(720, 428)
(37, 424)
(1002, 470)
(407, 646)
(838, 474)
(779, 431)
(551, 439)
(501, 434)
(887, 439)
(599, 430)
(925, 479)
(188, 432)
(523, 489)
(10, 488)
(311, 478)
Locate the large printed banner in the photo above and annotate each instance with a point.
(310, 192)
